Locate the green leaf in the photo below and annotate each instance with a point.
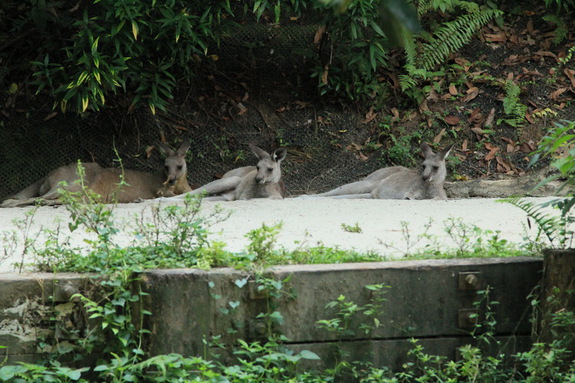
(309, 355)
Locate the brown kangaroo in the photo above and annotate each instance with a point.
(261, 181)
(398, 182)
(105, 182)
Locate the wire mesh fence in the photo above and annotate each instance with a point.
(262, 94)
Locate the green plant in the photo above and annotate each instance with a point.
(432, 47)
(22, 234)
(262, 243)
(351, 228)
(559, 145)
(512, 106)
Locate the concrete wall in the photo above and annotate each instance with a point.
(429, 300)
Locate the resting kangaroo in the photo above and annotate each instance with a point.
(261, 181)
(104, 182)
(398, 182)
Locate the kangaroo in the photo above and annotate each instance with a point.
(261, 181)
(172, 180)
(398, 182)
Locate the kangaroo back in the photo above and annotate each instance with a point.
(410, 184)
(106, 182)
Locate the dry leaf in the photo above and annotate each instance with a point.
(470, 96)
(492, 151)
(570, 73)
(438, 138)
(451, 120)
(489, 120)
(318, 35)
(423, 107)
(505, 164)
(464, 145)
(242, 109)
(369, 116)
(557, 93)
(324, 74)
(453, 90)
(495, 37)
(545, 53)
(362, 156)
(395, 113)
(50, 116)
(477, 130)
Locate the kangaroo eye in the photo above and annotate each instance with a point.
(270, 170)
(180, 167)
(435, 168)
(258, 168)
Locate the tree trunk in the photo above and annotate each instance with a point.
(557, 294)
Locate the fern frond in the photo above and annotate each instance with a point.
(553, 226)
(452, 36)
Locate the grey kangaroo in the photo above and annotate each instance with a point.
(261, 181)
(170, 181)
(398, 182)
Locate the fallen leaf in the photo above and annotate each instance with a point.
(505, 164)
(362, 156)
(324, 74)
(438, 138)
(395, 113)
(451, 120)
(369, 116)
(529, 118)
(490, 118)
(464, 145)
(492, 151)
(495, 37)
(318, 35)
(510, 148)
(507, 139)
(470, 96)
(50, 116)
(477, 130)
(423, 107)
(557, 93)
(302, 104)
(453, 90)
(546, 54)
(527, 147)
(242, 109)
(570, 73)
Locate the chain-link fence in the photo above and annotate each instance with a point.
(261, 93)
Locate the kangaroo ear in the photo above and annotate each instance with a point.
(166, 149)
(445, 152)
(426, 149)
(280, 154)
(260, 153)
(183, 149)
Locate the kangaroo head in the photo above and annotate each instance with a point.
(175, 167)
(268, 167)
(434, 170)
